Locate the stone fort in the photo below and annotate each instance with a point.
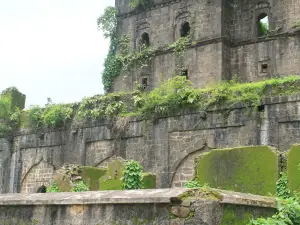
(225, 40)
(244, 151)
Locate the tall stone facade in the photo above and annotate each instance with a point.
(225, 40)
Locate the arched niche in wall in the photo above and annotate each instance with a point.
(143, 34)
(182, 24)
(42, 189)
(261, 19)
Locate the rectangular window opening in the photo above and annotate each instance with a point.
(264, 68)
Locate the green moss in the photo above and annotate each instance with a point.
(241, 215)
(112, 179)
(91, 175)
(245, 169)
(148, 181)
(293, 168)
(231, 217)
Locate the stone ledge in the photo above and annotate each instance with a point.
(93, 197)
(161, 196)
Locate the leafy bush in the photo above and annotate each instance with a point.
(101, 106)
(80, 186)
(282, 187)
(57, 115)
(35, 116)
(53, 188)
(132, 178)
(192, 184)
(136, 3)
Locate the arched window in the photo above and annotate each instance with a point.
(42, 189)
(262, 25)
(185, 29)
(144, 41)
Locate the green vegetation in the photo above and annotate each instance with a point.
(132, 177)
(80, 186)
(169, 98)
(136, 3)
(53, 188)
(263, 29)
(91, 176)
(231, 216)
(282, 187)
(192, 184)
(244, 169)
(148, 181)
(288, 208)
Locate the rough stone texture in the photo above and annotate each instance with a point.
(164, 148)
(224, 36)
(129, 207)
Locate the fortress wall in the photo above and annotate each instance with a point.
(162, 147)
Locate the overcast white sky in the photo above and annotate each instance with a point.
(52, 48)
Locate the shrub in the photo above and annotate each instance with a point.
(53, 188)
(80, 186)
(57, 115)
(35, 116)
(132, 178)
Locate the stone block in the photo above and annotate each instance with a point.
(244, 169)
(293, 168)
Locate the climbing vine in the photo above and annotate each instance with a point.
(132, 177)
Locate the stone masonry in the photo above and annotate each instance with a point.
(166, 148)
(224, 35)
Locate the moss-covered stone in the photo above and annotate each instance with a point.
(112, 179)
(91, 176)
(244, 169)
(241, 215)
(293, 168)
(148, 181)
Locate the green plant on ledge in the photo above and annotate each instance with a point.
(132, 177)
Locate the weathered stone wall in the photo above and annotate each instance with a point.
(165, 148)
(224, 36)
(159, 207)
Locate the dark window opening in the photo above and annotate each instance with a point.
(42, 189)
(264, 68)
(145, 41)
(263, 25)
(185, 29)
(185, 74)
(261, 108)
(144, 83)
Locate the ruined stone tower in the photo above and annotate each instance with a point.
(225, 40)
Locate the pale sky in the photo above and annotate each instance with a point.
(52, 48)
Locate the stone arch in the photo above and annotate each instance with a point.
(185, 29)
(42, 189)
(144, 41)
(40, 174)
(184, 168)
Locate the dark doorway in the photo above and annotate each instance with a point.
(42, 189)
(185, 29)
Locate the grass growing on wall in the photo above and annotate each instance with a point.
(245, 169)
(170, 97)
